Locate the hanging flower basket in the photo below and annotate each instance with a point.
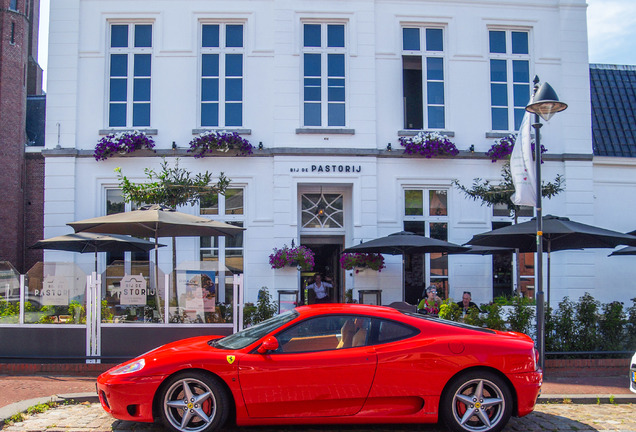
(122, 143)
(219, 141)
(362, 261)
(429, 145)
(300, 257)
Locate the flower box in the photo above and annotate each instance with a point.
(362, 261)
(429, 145)
(219, 141)
(300, 257)
(122, 143)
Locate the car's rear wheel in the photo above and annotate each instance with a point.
(194, 402)
(477, 401)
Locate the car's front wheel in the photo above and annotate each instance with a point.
(477, 401)
(194, 402)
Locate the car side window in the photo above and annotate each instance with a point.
(391, 331)
(325, 333)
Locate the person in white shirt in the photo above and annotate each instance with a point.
(321, 289)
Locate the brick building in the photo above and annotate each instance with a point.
(21, 176)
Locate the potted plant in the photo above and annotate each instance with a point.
(429, 144)
(361, 261)
(300, 257)
(122, 143)
(219, 141)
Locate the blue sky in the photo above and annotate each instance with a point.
(611, 31)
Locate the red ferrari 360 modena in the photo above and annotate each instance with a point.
(332, 364)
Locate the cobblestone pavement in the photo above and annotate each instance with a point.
(546, 417)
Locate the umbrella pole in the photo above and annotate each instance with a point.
(157, 298)
(549, 267)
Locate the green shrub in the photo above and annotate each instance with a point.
(612, 326)
(265, 308)
(587, 319)
(520, 319)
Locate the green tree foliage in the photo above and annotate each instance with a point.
(172, 186)
(612, 326)
(265, 308)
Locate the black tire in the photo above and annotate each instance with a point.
(477, 401)
(193, 402)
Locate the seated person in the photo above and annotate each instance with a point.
(431, 303)
(466, 304)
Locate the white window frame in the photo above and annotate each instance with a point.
(509, 57)
(221, 51)
(424, 54)
(324, 51)
(130, 51)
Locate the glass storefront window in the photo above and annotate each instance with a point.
(10, 294)
(56, 293)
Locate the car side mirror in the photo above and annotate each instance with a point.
(269, 344)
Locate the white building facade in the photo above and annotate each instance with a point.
(324, 91)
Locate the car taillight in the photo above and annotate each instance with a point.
(536, 359)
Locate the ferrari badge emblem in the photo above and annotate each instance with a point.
(230, 359)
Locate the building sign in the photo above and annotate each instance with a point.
(133, 290)
(328, 169)
(55, 291)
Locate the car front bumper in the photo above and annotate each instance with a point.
(528, 387)
(128, 397)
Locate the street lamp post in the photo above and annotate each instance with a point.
(544, 104)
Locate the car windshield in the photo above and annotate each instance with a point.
(246, 337)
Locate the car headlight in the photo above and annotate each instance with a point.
(135, 366)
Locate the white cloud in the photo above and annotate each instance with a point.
(612, 31)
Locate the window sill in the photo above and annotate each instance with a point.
(114, 131)
(239, 131)
(413, 132)
(499, 134)
(325, 131)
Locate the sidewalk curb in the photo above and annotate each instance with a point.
(588, 398)
(9, 411)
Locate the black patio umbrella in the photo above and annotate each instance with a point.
(484, 250)
(559, 233)
(86, 242)
(404, 242)
(629, 250)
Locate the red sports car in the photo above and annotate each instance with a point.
(332, 364)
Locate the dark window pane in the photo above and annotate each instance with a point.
(312, 94)
(141, 89)
(335, 35)
(411, 39)
(416, 227)
(312, 114)
(210, 35)
(119, 65)
(312, 64)
(520, 71)
(498, 95)
(435, 93)
(436, 117)
(412, 92)
(234, 89)
(499, 119)
(336, 94)
(519, 43)
(141, 114)
(234, 35)
(142, 65)
(497, 41)
(498, 72)
(434, 40)
(118, 90)
(233, 114)
(119, 36)
(234, 65)
(519, 112)
(311, 35)
(209, 114)
(210, 89)
(143, 36)
(434, 68)
(117, 115)
(336, 115)
(336, 65)
(210, 65)
(521, 94)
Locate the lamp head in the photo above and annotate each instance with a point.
(546, 102)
